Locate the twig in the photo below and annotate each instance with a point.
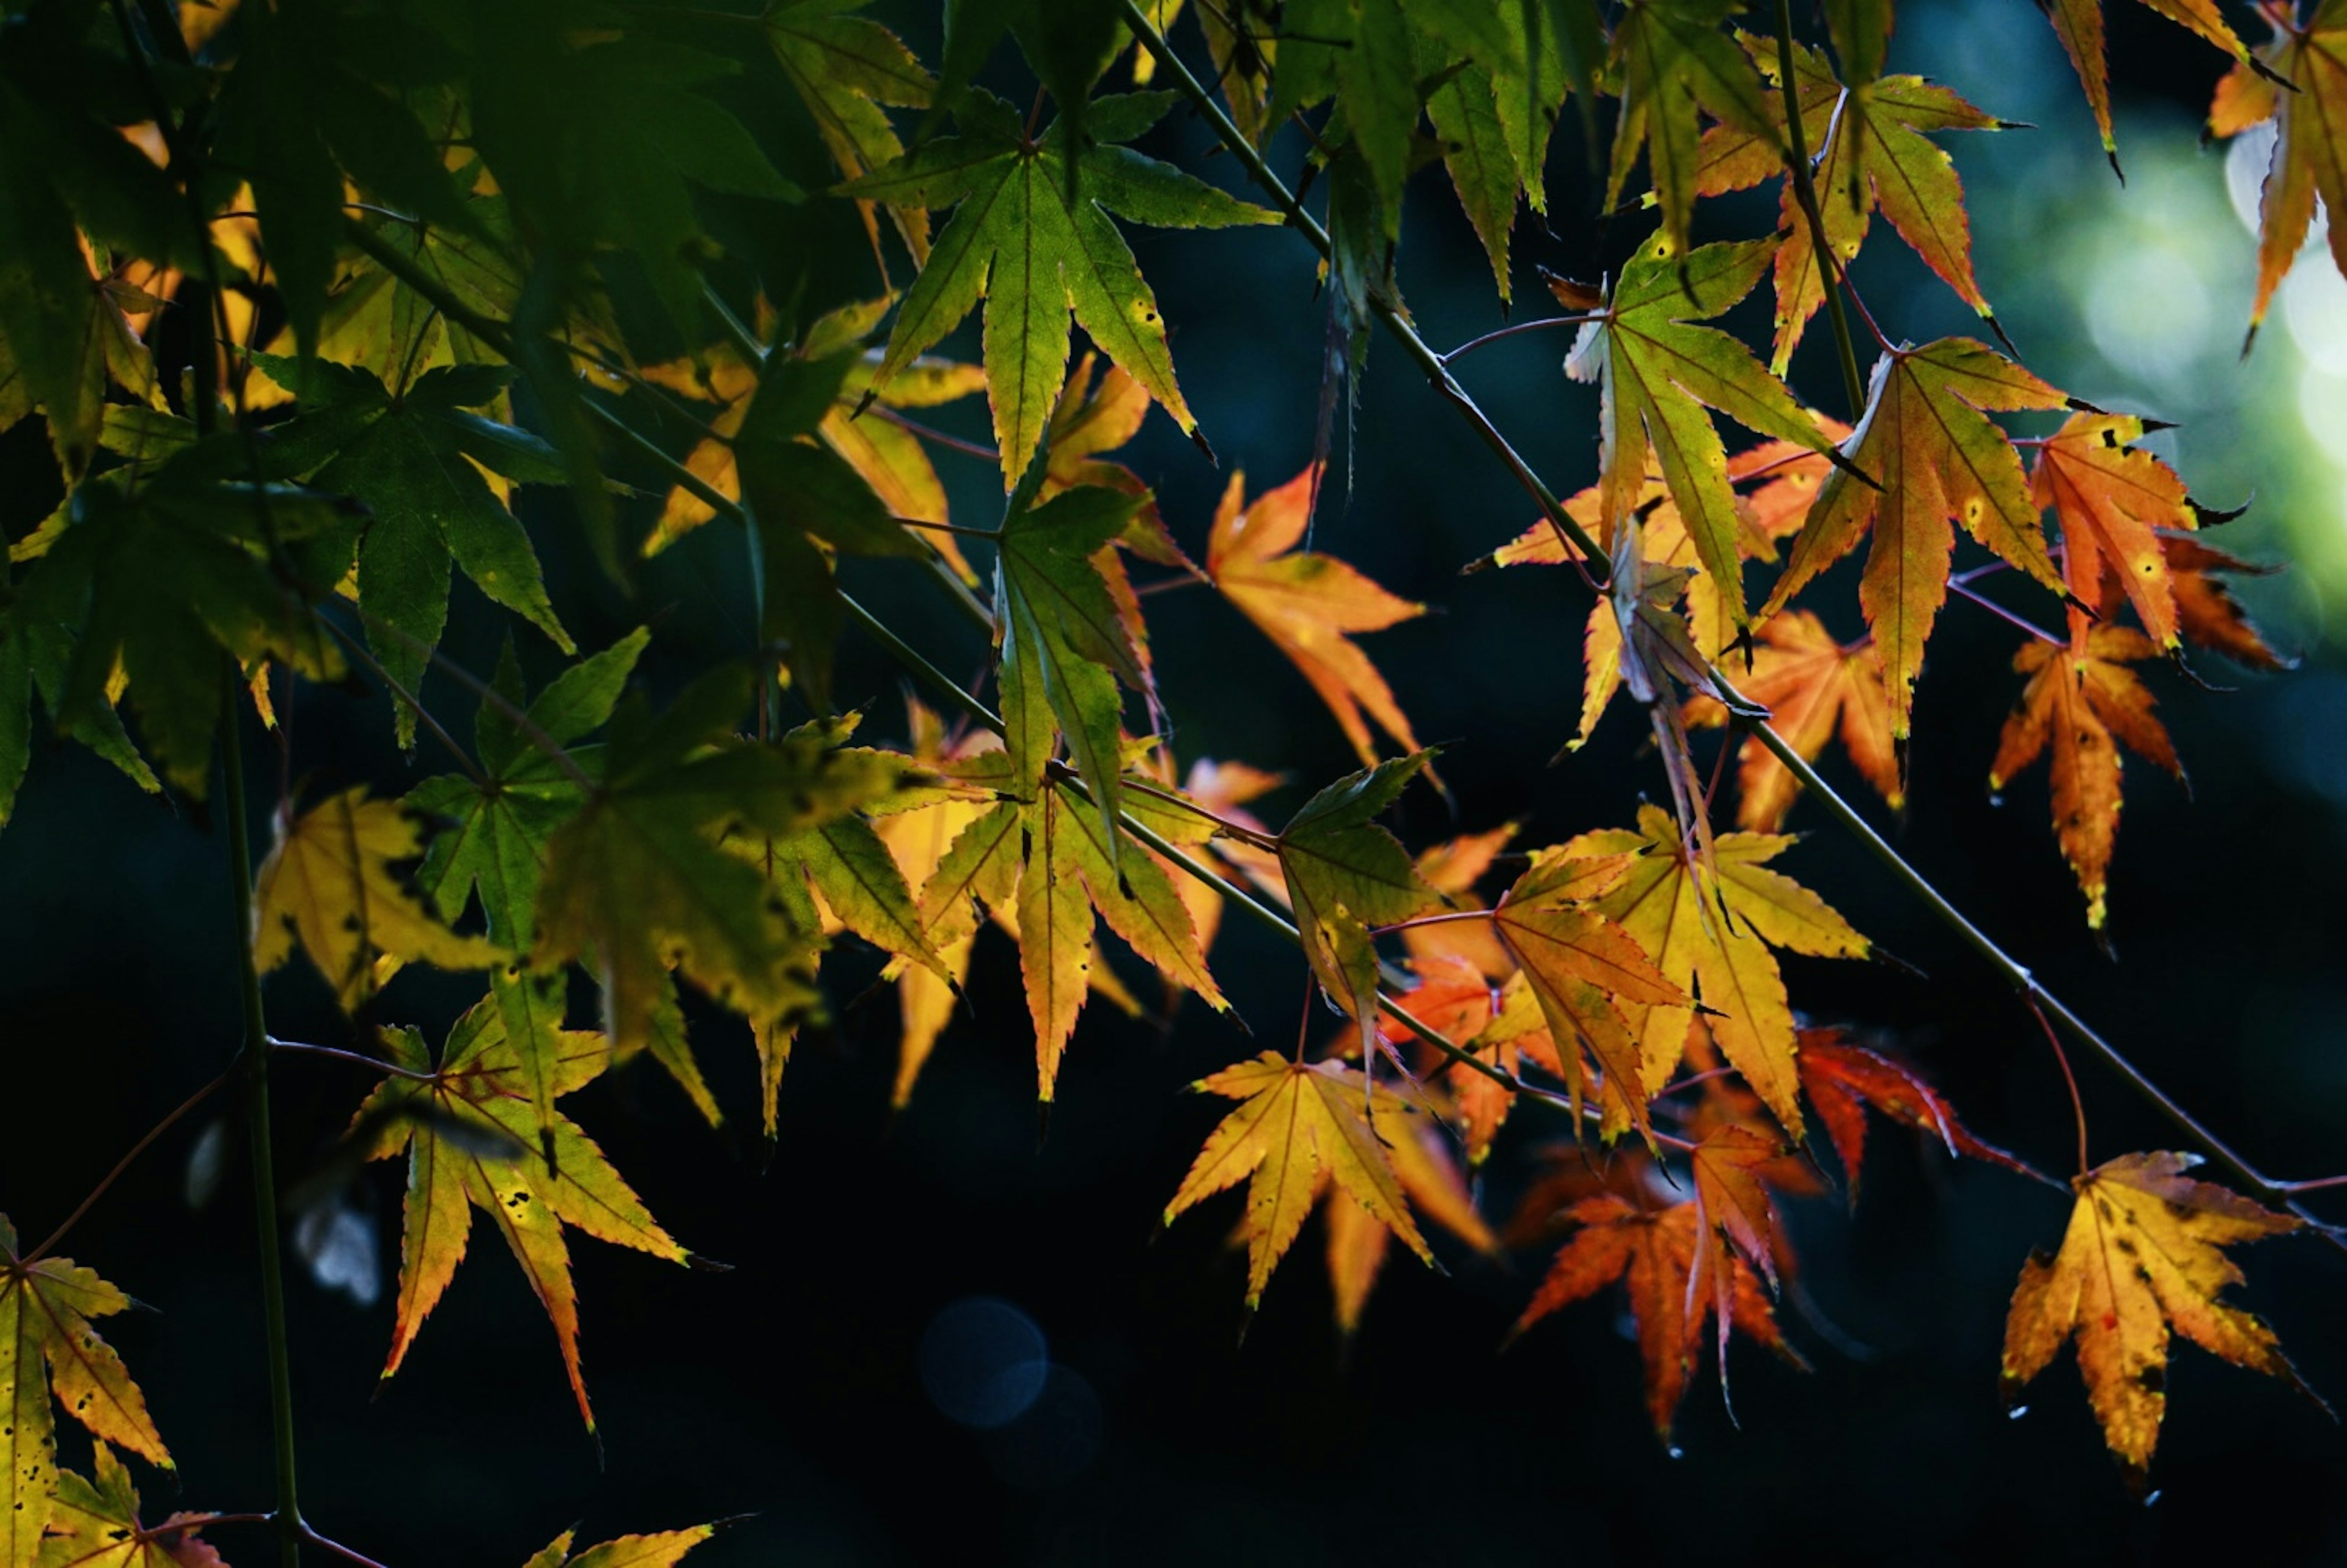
(1805, 190)
(141, 1147)
(422, 714)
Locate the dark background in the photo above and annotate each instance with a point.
(790, 1389)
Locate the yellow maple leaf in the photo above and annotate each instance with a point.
(2144, 1254)
(1299, 1127)
(329, 881)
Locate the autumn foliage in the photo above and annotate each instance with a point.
(304, 292)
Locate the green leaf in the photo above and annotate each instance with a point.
(1674, 58)
(636, 880)
(494, 847)
(1064, 645)
(1481, 161)
(164, 580)
(1016, 242)
(407, 461)
(1345, 873)
(1657, 374)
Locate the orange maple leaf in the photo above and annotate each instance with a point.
(2112, 498)
(2081, 699)
(2206, 609)
(1811, 684)
(2308, 153)
(1309, 604)
(1656, 1254)
(1843, 1079)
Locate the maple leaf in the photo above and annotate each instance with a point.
(67, 337)
(1019, 241)
(1673, 58)
(1811, 684)
(2112, 499)
(2205, 607)
(636, 879)
(1452, 868)
(1047, 864)
(2082, 700)
(1709, 928)
(328, 880)
(1783, 479)
(410, 459)
(1657, 373)
(887, 456)
(1581, 969)
(94, 1523)
(844, 67)
(465, 1125)
(1939, 458)
(1843, 1079)
(664, 1550)
(2079, 25)
(147, 584)
(1309, 604)
(1873, 152)
(1345, 874)
(2307, 160)
(1654, 1255)
(2144, 1254)
(1298, 1128)
(45, 1306)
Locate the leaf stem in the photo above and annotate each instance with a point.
(1805, 190)
(1516, 330)
(507, 709)
(952, 443)
(1964, 589)
(2070, 1078)
(253, 1061)
(1237, 830)
(389, 1068)
(141, 1147)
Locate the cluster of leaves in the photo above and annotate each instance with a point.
(410, 193)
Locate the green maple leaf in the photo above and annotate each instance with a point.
(1345, 874)
(1941, 459)
(408, 457)
(1674, 59)
(300, 110)
(637, 879)
(158, 575)
(1064, 644)
(805, 497)
(1659, 374)
(1037, 258)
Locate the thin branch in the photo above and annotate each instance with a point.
(124, 1163)
(968, 533)
(1805, 190)
(1743, 712)
(327, 1544)
(414, 705)
(1385, 310)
